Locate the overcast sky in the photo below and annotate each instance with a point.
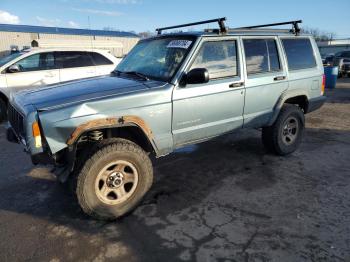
(144, 15)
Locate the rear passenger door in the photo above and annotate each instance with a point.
(266, 78)
(75, 65)
(104, 66)
(201, 111)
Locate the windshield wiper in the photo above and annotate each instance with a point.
(140, 75)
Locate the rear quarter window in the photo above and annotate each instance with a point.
(299, 52)
(100, 59)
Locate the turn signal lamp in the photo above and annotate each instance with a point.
(36, 134)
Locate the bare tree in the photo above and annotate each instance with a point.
(318, 34)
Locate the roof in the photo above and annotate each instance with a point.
(62, 31)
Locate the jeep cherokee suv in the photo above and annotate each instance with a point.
(171, 90)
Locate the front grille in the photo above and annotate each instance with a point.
(16, 121)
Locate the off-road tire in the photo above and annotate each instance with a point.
(119, 149)
(272, 136)
(3, 110)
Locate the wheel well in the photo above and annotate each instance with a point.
(301, 101)
(132, 133)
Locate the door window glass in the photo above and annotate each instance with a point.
(37, 62)
(219, 58)
(74, 59)
(261, 56)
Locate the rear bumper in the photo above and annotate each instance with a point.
(316, 103)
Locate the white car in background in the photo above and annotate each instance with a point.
(35, 68)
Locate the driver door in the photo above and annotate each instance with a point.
(202, 111)
(35, 71)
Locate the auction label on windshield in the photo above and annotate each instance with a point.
(179, 44)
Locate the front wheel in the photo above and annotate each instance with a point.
(285, 135)
(114, 180)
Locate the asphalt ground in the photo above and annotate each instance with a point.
(223, 200)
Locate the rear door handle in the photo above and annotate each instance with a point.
(234, 85)
(279, 78)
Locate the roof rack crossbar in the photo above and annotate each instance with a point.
(220, 21)
(260, 30)
(296, 29)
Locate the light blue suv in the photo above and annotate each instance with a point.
(170, 91)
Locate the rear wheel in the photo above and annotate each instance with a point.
(3, 110)
(285, 135)
(114, 180)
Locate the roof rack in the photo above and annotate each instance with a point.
(295, 30)
(220, 21)
(223, 30)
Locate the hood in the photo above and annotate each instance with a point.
(80, 91)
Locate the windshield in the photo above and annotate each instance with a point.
(8, 58)
(157, 58)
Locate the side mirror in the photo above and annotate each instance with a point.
(14, 69)
(197, 76)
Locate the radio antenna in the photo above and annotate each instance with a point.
(91, 38)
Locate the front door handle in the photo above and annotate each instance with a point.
(279, 78)
(234, 85)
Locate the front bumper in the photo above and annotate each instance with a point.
(316, 103)
(41, 158)
(12, 137)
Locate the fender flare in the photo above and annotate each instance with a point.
(112, 122)
(283, 98)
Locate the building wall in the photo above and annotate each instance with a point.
(7, 39)
(12, 38)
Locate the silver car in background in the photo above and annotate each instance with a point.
(35, 68)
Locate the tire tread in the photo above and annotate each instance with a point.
(107, 147)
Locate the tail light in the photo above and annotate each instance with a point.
(323, 84)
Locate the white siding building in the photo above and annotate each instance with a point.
(334, 46)
(20, 36)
